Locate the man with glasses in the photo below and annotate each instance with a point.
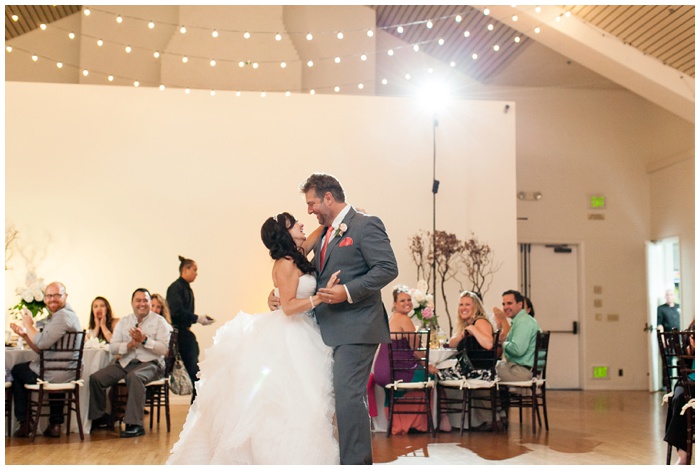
(140, 342)
(62, 319)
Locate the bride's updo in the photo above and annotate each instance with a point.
(276, 237)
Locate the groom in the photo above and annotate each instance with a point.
(354, 320)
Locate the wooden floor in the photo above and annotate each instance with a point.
(593, 427)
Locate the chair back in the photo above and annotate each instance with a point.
(485, 359)
(669, 357)
(679, 344)
(172, 353)
(64, 359)
(539, 368)
(409, 356)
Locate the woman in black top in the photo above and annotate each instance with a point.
(181, 301)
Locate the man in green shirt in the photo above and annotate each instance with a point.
(520, 337)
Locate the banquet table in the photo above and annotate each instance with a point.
(94, 359)
(379, 422)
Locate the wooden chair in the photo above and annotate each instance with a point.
(468, 386)
(70, 347)
(408, 361)
(536, 387)
(157, 391)
(678, 365)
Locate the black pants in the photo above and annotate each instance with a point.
(189, 351)
(22, 375)
(676, 425)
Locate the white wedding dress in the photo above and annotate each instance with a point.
(265, 394)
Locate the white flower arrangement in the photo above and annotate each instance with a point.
(31, 298)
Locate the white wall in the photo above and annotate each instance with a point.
(108, 185)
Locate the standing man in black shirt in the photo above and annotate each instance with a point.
(181, 300)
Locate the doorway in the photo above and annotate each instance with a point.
(663, 273)
(549, 276)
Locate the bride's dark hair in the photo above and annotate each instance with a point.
(276, 237)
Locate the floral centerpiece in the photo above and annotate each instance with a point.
(31, 298)
(423, 306)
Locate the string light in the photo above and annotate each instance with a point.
(336, 89)
(8, 48)
(85, 73)
(384, 81)
(215, 34)
(110, 78)
(42, 26)
(59, 65)
(360, 86)
(187, 91)
(161, 87)
(15, 18)
(136, 84)
(212, 93)
(538, 9)
(287, 93)
(263, 94)
(310, 63)
(312, 92)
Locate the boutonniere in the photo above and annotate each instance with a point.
(342, 228)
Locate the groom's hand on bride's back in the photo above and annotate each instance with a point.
(273, 302)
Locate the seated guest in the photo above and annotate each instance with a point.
(160, 306)
(62, 319)
(102, 323)
(400, 322)
(528, 306)
(518, 339)
(676, 425)
(140, 342)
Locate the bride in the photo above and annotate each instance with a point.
(265, 394)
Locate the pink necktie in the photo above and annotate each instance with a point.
(325, 244)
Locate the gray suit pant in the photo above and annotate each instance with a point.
(351, 368)
(136, 374)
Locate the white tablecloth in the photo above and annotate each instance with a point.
(93, 360)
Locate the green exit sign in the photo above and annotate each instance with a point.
(600, 372)
(597, 202)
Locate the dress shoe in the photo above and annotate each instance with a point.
(133, 430)
(25, 428)
(103, 422)
(53, 430)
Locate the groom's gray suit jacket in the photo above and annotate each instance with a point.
(367, 263)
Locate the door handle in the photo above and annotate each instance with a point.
(573, 330)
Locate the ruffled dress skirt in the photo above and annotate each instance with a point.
(265, 396)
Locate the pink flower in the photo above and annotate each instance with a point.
(428, 313)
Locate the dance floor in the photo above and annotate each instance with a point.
(585, 428)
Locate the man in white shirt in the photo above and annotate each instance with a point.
(139, 342)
